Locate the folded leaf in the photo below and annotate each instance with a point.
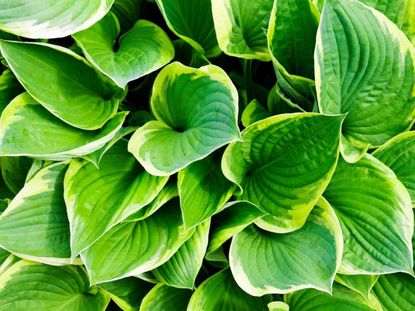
(45, 19)
(375, 213)
(63, 82)
(135, 247)
(368, 74)
(240, 25)
(196, 111)
(361, 284)
(98, 199)
(163, 297)
(35, 225)
(192, 21)
(268, 263)
(284, 165)
(32, 286)
(220, 292)
(142, 50)
(28, 129)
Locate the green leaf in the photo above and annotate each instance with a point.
(220, 292)
(399, 154)
(9, 88)
(3, 256)
(45, 19)
(284, 165)
(163, 297)
(202, 182)
(14, 171)
(254, 112)
(278, 306)
(182, 269)
(395, 292)
(35, 225)
(233, 219)
(127, 293)
(127, 12)
(268, 263)
(196, 111)
(369, 75)
(401, 12)
(28, 129)
(142, 50)
(32, 286)
(241, 27)
(342, 298)
(375, 213)
(361, 284)
(63, 82)
(132, 248)
(192, 21)
(98, 199)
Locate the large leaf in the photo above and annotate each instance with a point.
(45, 19)
(239, 26)
(267, 263)
(182, 269)
(369, 75)
(401, 12)
(192, 21)
(220, 292)
(163, 297)
(63, 82)
(196, 111)
(9, 88)
(98, 199)
(399, 154)
(284, 165)
(375, 213)
(132, 248)
(27, 128)
(14, 171)
(395, 292)
(31, 286)
(202, 182)
(35, 225)
(142, 50)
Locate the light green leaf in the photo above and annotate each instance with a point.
(268, 263)
(203, 190)
(401, 12)
(98, 199)
(141, 50)
(241, 27)
(28, 129)
(127, 293)
(254, 112)
(399, 154)
(9, 88)
(32, 286)
(232, 220)
(395, 292)
(369, 75)
(132, 248)
(14, 171)
(45, 19)
(162, 298)
(220, 292)
(278, 306)
(375, 213)
(192, 21)
(34, 225)
(361, 284)
(196, 111)
(284, 165)
(63, 82)
(342, 298)
(182, 269)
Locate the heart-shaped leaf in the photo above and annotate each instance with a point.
(98, 199)
(142, 50)
(63, 82)
(284, 165)
(196, 111)
(369, 75)
(45, 19)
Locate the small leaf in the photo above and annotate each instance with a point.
(14, 171)
(361, 284)
(9, 88)
(254, 112)
(163, 297)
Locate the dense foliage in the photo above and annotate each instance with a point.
(207, 155)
